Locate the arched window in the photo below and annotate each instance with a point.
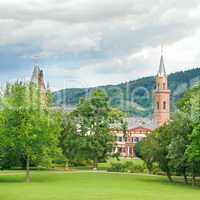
(164, 105)
(164, 86)
(158, 86)
(158, 106)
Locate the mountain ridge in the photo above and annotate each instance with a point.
(133, 97)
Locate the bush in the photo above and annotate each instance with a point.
(156, 170)
(128, 166)
(116, 167)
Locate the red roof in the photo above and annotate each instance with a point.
(140, 129)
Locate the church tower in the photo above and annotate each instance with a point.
(161, 96)
(38, 80)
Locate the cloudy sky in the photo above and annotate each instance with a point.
(81, 43)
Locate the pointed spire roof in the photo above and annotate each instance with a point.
(162, 71)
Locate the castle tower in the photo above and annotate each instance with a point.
(38, 79)
(161, 96)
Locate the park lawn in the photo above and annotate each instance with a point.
(92, 186)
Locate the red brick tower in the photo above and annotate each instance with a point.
(161, 96)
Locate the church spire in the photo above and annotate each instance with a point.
(162, 71)
(161, 96)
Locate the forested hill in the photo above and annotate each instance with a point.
(134, 97)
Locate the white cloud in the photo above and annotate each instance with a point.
(106, 41)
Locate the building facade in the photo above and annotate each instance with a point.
(125, 143)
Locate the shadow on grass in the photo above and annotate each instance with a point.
(178, 181)
(12, 179)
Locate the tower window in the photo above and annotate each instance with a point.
(158, 106)
(158, 86)
(164, 105)
(164, 86)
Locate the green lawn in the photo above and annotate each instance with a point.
(92, 186)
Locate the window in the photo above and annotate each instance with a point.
(164, 85)
(125, 139)
(164, 105)
(158, 86)
(120, 139)
(135, 139)
(158, 106)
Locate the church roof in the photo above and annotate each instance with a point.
(162, 71)
(134, 122)
(140, 129)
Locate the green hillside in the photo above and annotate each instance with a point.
(134, 97)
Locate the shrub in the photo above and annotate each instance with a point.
(138, 169)
(116, 167)
(156, 170)
(128, 166)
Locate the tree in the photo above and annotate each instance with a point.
(154, 149)
(145, 150)
(181, 127)
(71, 142)
(185, 103)
(88, 133)
(193, 149)
(161, 146)
(26, 127)
(190, 104)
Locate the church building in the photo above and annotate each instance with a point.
(161, 96)
(139, 129)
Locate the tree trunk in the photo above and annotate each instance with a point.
(193, 180)
(28, 169)
(185, 176)
(169, 176)
(66, 166)
(149, 167)
(95, 164)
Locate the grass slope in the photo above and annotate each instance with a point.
(93, 186)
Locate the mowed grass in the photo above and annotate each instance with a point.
(92, 186)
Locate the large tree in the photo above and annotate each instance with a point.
(28, 128)
(154, 149)
(181, 128)
(193, 149)
(88, 133)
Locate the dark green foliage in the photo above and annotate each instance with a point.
(117, 167)
(139, 91)
(87, 135)
(29, 130)
(128, 166)
(176, 145)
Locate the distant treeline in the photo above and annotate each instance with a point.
(134, 97)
